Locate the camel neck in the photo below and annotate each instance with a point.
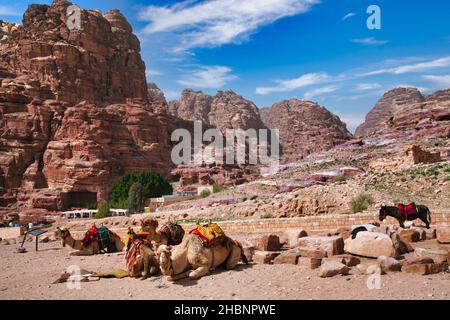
(71, 242)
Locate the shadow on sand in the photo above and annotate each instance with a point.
(186, 282)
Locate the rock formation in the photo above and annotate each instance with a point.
(100, 63)
(406, 112)
(157, 99)
(231, 111)
(193, 105)
(305, 127)
(75, 113)
(226, 110)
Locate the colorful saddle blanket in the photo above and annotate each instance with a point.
(211, 233)
(407, 209)
(174, 232)
(133, 256)
(101, 234)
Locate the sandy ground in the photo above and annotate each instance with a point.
(30, 276)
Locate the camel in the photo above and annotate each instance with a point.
(91, 249)
(150, 226)
(192, 259)
(140, 256)
(162, 235)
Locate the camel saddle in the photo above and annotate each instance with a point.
(101, 234)
(173, 231)
(408, 209)
(211, 234)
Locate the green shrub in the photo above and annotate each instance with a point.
(153, 186)
(135, 201)
(103, 211)
(205, 193)
(217, 188)
(360, 203)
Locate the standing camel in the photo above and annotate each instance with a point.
(82, 250)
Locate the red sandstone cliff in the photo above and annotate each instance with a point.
(75, 113)
(305, 127)
(406, 112)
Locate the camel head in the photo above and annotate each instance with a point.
(149, 224)
(62, 233)
(164, 253)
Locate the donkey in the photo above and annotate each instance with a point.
(423, 213)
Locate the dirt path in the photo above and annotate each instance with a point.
(29, 276)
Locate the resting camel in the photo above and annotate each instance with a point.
(140, 255)
(167, 234)
(150, 226)
(191, 258)
(91, 249)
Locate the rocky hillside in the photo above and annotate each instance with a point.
(225, 110)
(74, 110)
(406, 112)
(305, 127)
(100, 63)
(157, 99)
(193, 105)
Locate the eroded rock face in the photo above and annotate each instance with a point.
(157, 99)
(193, 105)
(305, 127)
(100, 63)
(406, 111)
(75, 113)
(226, 110)
(231, 111)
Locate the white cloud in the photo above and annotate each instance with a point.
(319, 91)
(8, 11)
(212, 23)
(416, 67)
(348, 16)
(305, 80)
(370, 41)
(153, 73)
(368, 86)
(442, 80)
(208, 77)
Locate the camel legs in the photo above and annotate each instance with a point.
(178, 276)
(148, 257)
(199, 272)
(81, 253)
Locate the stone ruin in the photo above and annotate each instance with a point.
(379, 250)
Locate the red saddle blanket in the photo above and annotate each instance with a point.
(407, 209)
(90, 236)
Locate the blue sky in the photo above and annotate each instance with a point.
(269, 50)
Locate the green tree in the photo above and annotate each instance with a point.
(153, 186)
(135, 201)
